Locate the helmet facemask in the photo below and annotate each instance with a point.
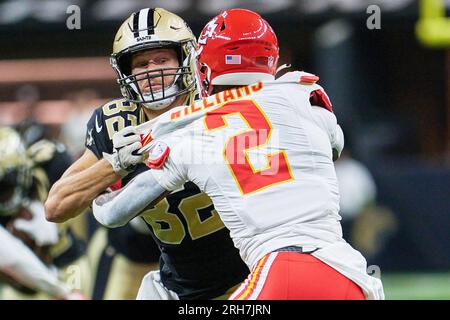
(184, 79)
(156, 28)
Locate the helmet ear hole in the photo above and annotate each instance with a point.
(222, 27)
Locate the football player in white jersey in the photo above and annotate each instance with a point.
(154, 56)
(263, 150)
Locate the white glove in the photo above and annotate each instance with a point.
(125, 142)
(38, 228)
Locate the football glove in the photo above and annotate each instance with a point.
(41, 231)
(126, 143)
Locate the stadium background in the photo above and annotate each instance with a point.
(389, 87)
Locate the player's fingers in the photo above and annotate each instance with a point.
(121, 141)
(136, 146)
(127, 130)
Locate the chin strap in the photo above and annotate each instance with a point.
(161, 104)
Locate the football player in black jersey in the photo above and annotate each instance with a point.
(154, 58)
(25, 177)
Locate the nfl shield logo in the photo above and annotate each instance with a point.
(232, 59)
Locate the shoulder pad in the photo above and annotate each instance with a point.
(308, 79)
(42, 151)
(319, 98)
(300, 77)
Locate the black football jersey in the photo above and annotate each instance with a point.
(198, 258)
(50, 159)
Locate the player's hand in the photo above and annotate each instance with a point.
(126, 143)
(33, 223)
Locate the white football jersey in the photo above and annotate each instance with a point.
(263, 154)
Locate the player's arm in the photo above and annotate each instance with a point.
(19, 264)
(117, 208)
(324, 116)
(337, 142)
(80, 184)
(146, 189)
(328, 122)
(321, 107)
(103, 163)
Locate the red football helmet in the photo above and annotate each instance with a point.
(237, 47)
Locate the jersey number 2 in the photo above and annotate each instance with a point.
(257, 135)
